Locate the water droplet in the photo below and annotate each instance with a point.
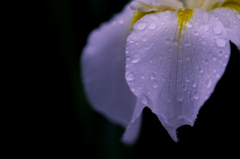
(127, 51)
(220, 52)
(194, 84)
(169, 100)
(141, 26)
(196, 95)
(205, 27)
(136, 58)
(144, 38)
(175, 41)
(187, 79)
(238, 15)
(179, 96)
(144, 100)
(209, 83)
(129, 76)
(184, 87)
(152, 26)
(221, 42)
(187, 58)
(153, 17)
(152, 76)
(217, 30)
(189, 25)
(205, 17)
(155, 84)
(205, 61)
(214, 59)
(196, 33)
(142, 77)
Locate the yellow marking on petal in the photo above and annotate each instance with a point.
(138, 15)
(231, 4)
(183, 18)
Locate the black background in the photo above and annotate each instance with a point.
(61, 121)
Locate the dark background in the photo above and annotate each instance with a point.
(63, 123)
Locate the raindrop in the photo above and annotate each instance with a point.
(155, 84)
(196, 33)
(205, 17)
(189, 25)
(127, 51)
(152, 26)
(205, 27)
(187, 58)
(144, 100)
(205, 61)
(221, 42)
(238, 15)
(142, 77)
(141, 26)
(153, 17)
(179, 96)
(217, 30)
(144, 38)
(194, 84)
(129, 76)
(214, 59)
(220, 52)
(196, 95)
(184, 87)
(187, 79)
(136, 58)
(152, 76)
(209, 83)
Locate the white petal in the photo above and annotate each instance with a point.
(174, 80)
(231, 21)
(103, 69)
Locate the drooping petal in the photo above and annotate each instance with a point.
(172, 76)
(103, 69)
(229, 15)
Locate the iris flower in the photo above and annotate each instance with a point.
(167, 55)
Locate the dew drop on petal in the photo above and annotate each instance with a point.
(196, 33)
(144, 100)
(155, 84)
(129, 76)
(136, 58)
(217, 30)
(209, 83)
(205, 27)
(141, 26)
(238, 15)
(196, 95)
(221, 42)
(194, 84)
(179, 96)
(152, 26)
(205, 17)
(189, 25)
(220, 52)
(152, 76)
(142, 77)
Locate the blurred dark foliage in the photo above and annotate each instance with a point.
(62, 122)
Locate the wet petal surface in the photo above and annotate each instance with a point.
(172, 76)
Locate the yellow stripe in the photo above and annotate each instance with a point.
(231, 4)
(183, 18)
